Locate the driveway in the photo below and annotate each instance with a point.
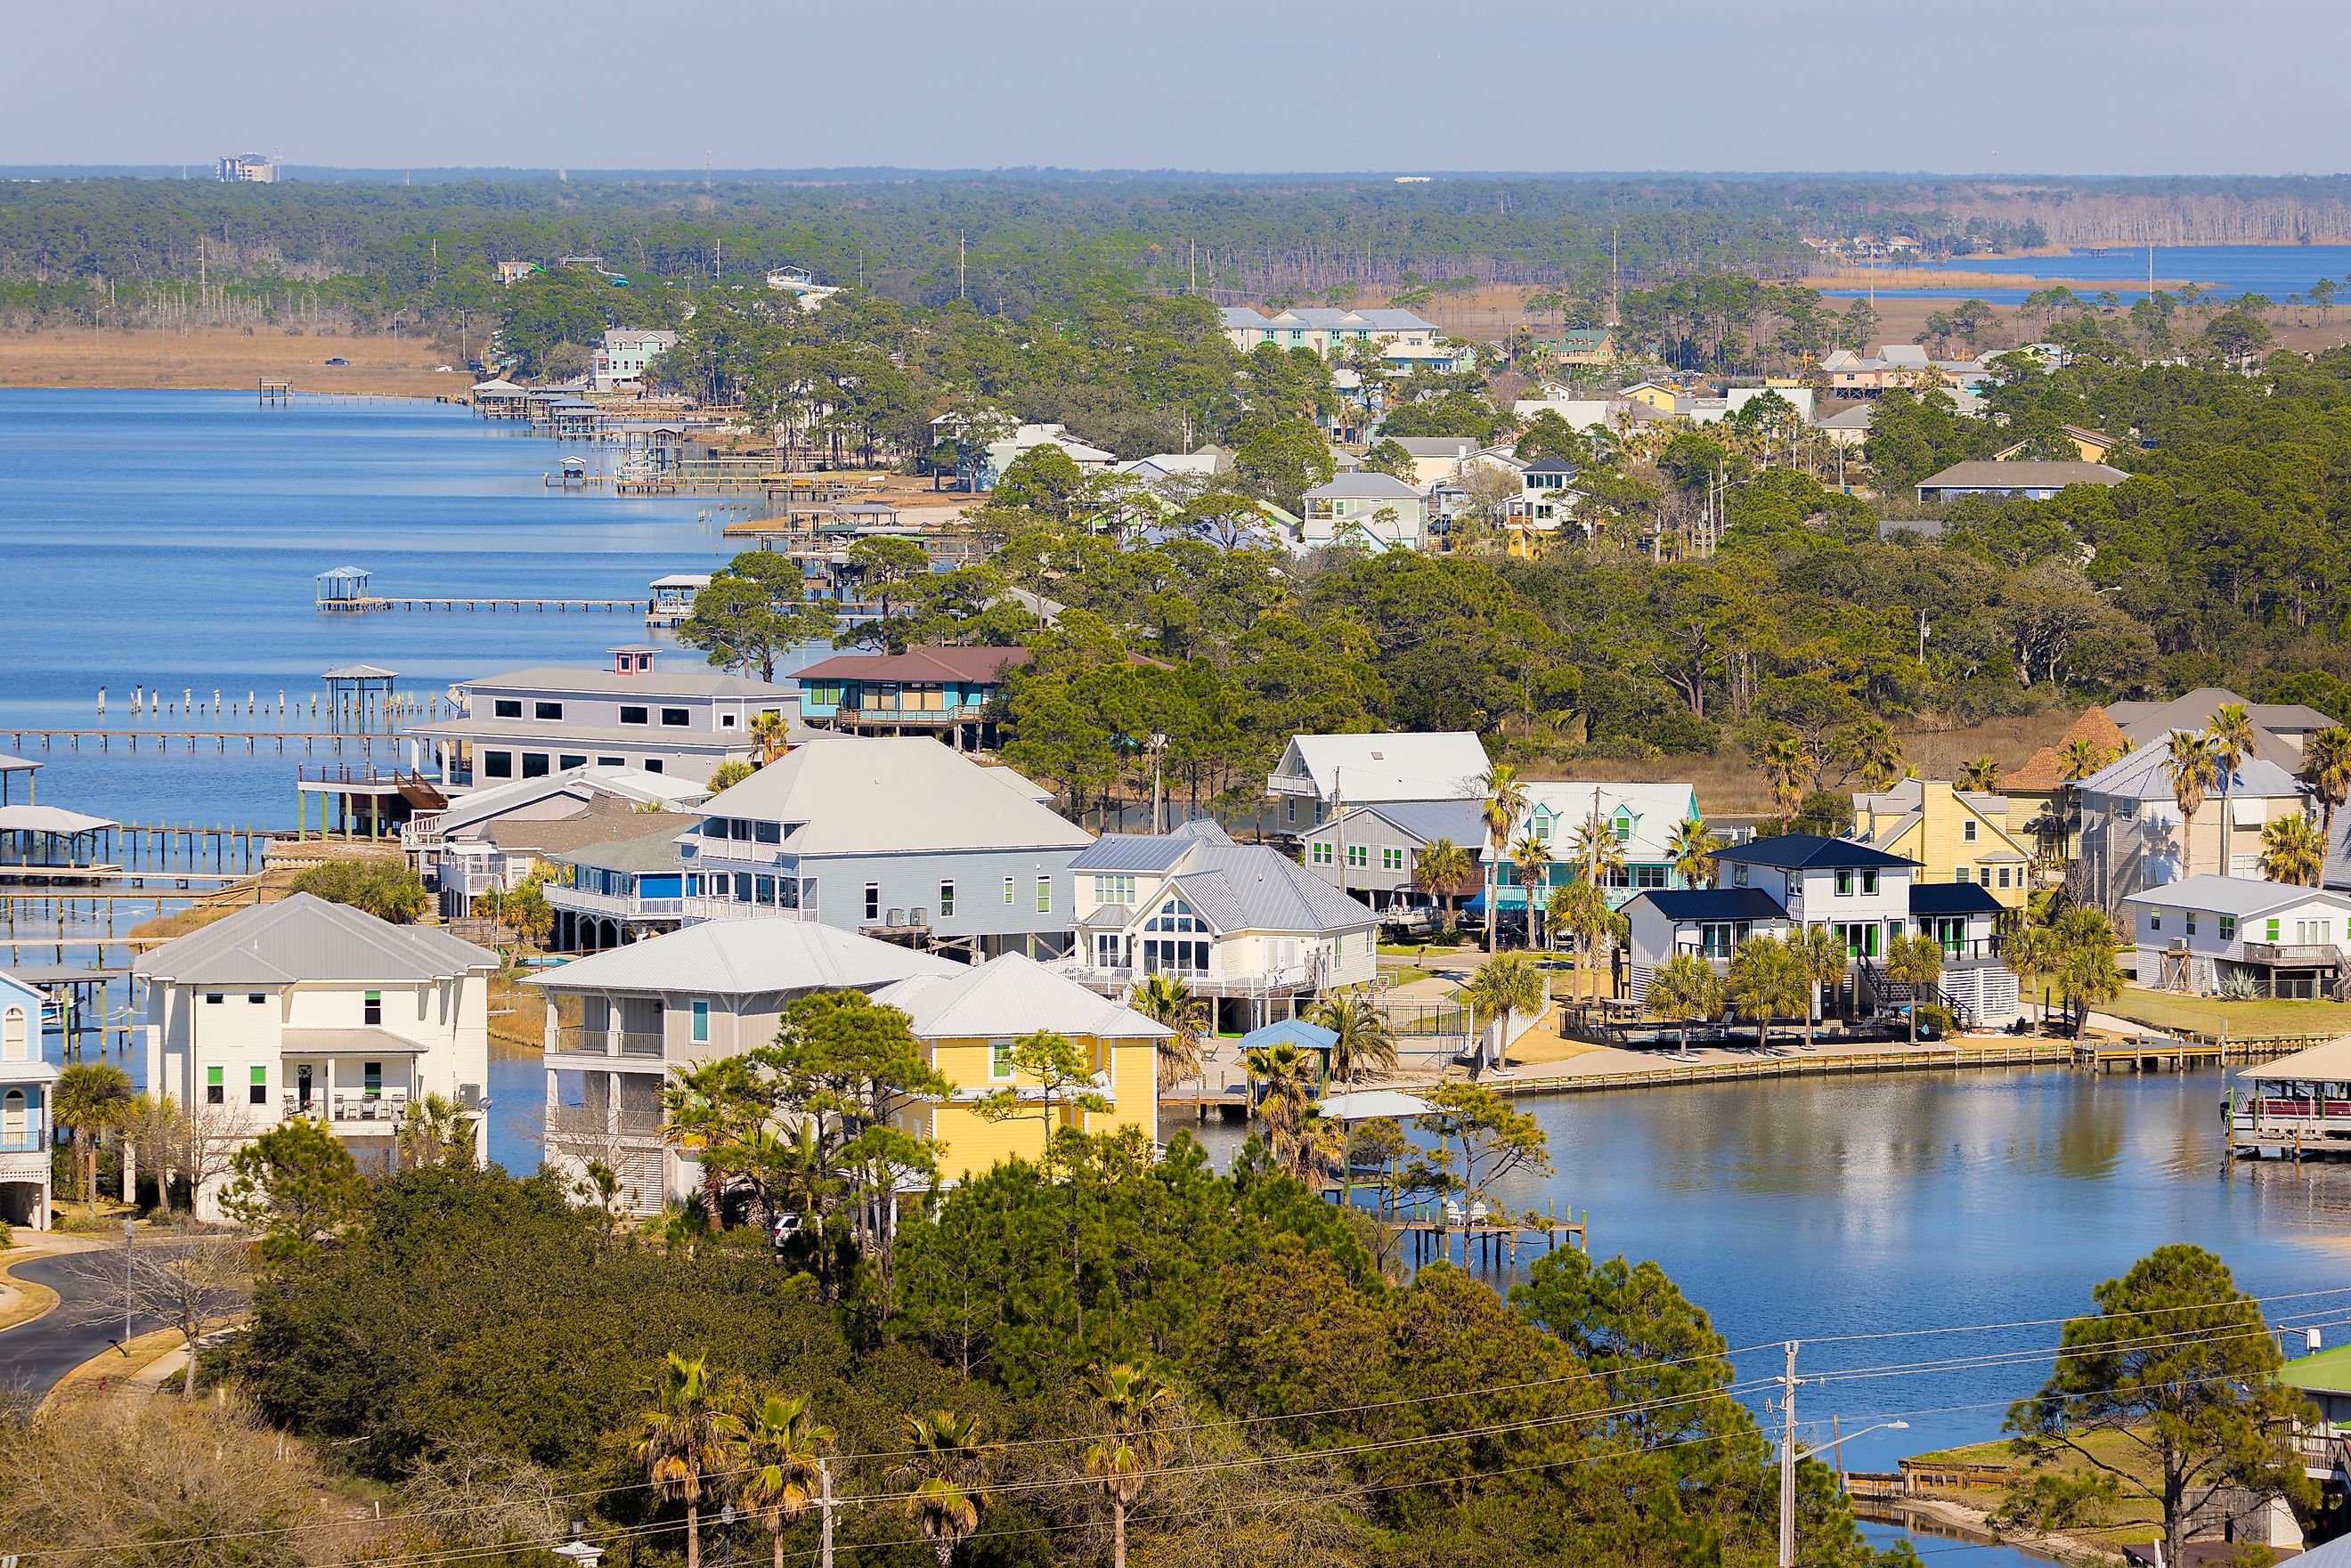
(34, 1355)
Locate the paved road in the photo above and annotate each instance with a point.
(34, 1355)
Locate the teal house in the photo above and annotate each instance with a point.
(937, 691)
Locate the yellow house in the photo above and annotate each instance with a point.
(1955, 835)
(968, 1023)
(1650, 394)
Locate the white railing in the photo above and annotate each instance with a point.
(1111, 980)
(582, 901)
(1278, 784)
(578, 1041)
(706, 908)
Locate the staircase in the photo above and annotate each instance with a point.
(1890, 995)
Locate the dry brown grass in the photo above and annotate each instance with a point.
(226, 357)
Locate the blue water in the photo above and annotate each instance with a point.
(2276, 270)
(170, 538)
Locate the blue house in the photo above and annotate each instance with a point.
(936, 691)
(24, 1126)
(607, 894)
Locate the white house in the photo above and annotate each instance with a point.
(1245, 925)
(1327, 330)
(1318, 771)
(1381, 506)
(25, 1122)
(618, 1022)
(307, 1008)
(2211, 934)
(549, 797)
(619, 363)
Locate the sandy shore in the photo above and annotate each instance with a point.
(226, 358)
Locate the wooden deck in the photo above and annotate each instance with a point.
(452, 606)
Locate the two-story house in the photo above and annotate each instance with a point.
(1953, 834)
(308, 1009)
(1248, 929)
(2134, 835)
(613, 889)
(618, 1022)
(896, 837)
(530, 724)
(1327, 330)
(936, 691)
(25, 1077)
(968, 1022)
(619, 362)
(2203, 934)
(1640, 817)
(1379, 507)
(1374, 853)
(1319, 774)
(500, 855)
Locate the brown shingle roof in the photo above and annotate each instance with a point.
(927, 664)
(2045, 768)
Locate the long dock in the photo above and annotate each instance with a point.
(561, 606)
(161, 739)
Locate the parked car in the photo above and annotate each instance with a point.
(338, 359)
(786, 1226)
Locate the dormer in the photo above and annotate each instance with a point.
(632, 659)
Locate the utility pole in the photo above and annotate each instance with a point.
(1788, 1461)
(1615, 279)
(130, 1229)
(824, 1504)
(1159, 818)
(959, 294)
(1339, 821)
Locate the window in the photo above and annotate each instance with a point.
(371, 1079)
(255, 998)
(1044, 896)
(872, 901)
(726, 721)
(740, 827)
(2191, 921)
(676, 717)
(507, 707)
(1357, 855)
(1391, 860)
(765, 890)
(1000, 1059)
(1117, 889)
(2273, 935)
(612, 762)
(216, 1087)
(497, 764)
(946, 899)
(1968, 831)
(653, 765)
(701, 1023)
(1843, 884)
(534, 764)
(1959, 873)
(258, 1091)
(1739, 877)
(2228, 928)
(13, 1037)
(634, 715)
(742, 887)
(1289, 809)
(1321, 853)
(1869, 880)
(1008, 891)
(2154, 921)
(547, 710)
(572, 761)
(767, 832)
(214, 998)
(371, 1008)
(2004, 876)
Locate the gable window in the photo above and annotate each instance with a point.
(1968, 831)
(1358, 855)
(1391, 860)
(547, 710)
(1118, 889)
(371, 1008)
(507, 707)
(635, 714)
(1319, 852)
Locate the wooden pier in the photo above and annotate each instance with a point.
(190, 739)
(561, 606)
(1494, 1241)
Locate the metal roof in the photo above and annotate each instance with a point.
(1447, 764)
(1290, 1031)
(2328, 1063)
(1807, 851)
(362, 1040)
(2242, 896)
(303, 937)
(359, 672)
(612, 683)
(16, 763)
(746, 957)
(1952, 898)
(2143, 775)
(653, 851)
(896, 795)
(50, 819)
(1131, 852)
(1012, 995)
(588, 784)
(2021, 475)
(1423, 821)
(1365, 487)
(969, 665)
(1713, 903)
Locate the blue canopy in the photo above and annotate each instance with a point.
(1291, 1031)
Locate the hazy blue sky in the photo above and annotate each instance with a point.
(2054, 86)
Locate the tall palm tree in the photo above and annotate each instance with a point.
(1440, 871)
(1597, 850)
(2327, 769)
(1685, 987)
(437, 1131)
(1285, 1074)
(1691, 849)
(1821, 953)
(2031, 953)
(1915, 960)
(1783, 771)
(1136, 1408)
(2191, 764)
(2293, 852)
(947, 1478)
(708, 1112)
(784, 1449)
(1581, 907)
(1505, 802)
(1166, 998)
(1878, 753)
(2231, 730)
(1980, 776)
(772, 732)
(685, 1441)
(1531, 858)
(1363, 1042)
(2085, 971)
(86, 1099)
(1504, 985)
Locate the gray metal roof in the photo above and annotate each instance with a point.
(2021, 475)
(1011, 996)
(746, 957)
(302, 937)
(610, 683)
(1248, 887)
(1364, 488)
(1131, 852)
(2242, 896)
(1425, 821)
(2143, 776)
(896, 796)
(653, 851)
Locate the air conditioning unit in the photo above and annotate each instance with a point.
(469, 1095)
(918, 915)
(897, 917)
(2178, 945)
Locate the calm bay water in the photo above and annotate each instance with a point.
(2276, 270)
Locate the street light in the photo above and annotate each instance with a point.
(1791, 1458)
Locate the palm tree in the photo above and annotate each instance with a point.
(1915, 960)
(1136, 1407)
(2231, 732)
(2078, 760)
(1285, 1075)
(2085, 971)
(438, 1131)
(947, 1478)
(1506, 800)
(1363, 1042)
(1504, 985)
(685, 1441)
(773, 733)
(2293, 852)
(86, 1099)
(1783, 769)
(1692, 849)
(1439, 872)
(784, 1449)
(1980, 776)
(707, 1111)
(2327, 769)
(1821, 953)
(1685, 987)
(1530, 857)
(2191, 764)
(1597, 850)
(1766, 982)
(2031, 952)
(1581, 907)
(1876, 751)
(1166, 998)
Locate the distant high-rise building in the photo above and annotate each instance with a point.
(246, 169)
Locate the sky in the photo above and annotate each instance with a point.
(2069, 87)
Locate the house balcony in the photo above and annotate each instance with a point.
(579, 900)
(907, 717)
(2291, 955)
(579, 1040)
(706, 908)
(1277, 784)
(357, 1112)
(1117, 981)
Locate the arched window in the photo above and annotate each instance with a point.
(12, 1036)
(12, 1118)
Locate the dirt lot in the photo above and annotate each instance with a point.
(227, 357)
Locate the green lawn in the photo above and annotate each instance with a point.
(2239, 1020)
